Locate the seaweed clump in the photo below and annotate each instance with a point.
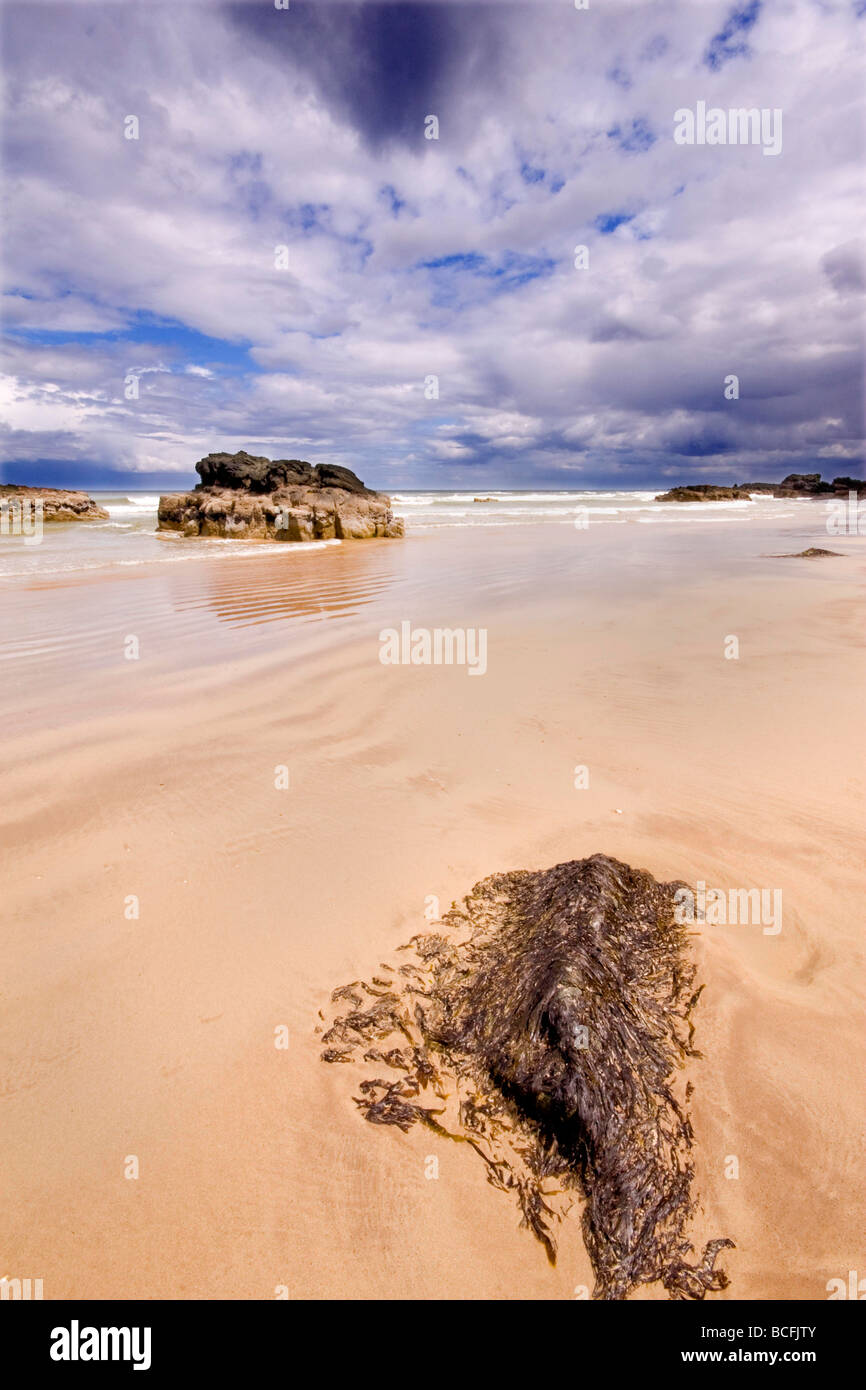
(547, 1028)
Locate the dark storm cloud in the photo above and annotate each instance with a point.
(384, 67)
(845, 268)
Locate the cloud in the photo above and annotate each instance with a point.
(845, 267)
(284, 259)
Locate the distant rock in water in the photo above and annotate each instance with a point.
(704, 492)
(58, 504)
(813, 553)
(795, 485)
(281, 499)
(544, 1023)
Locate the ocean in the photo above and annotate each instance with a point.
(129, 537)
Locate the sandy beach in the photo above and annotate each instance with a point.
(151, 782)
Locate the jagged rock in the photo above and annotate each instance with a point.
(58, 504)
(546, 1020)
(794, 485)
(812, 485)
(257, 474)
(813, 553)
(704, 492)
(257, 498)
(804, 482)
(844, 485)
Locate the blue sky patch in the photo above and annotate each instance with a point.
(607, 222)
(728, 43)
(634, 138)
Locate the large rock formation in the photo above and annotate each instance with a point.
(57, 503)
(281, 499)
(546, 1021)
(795, 485)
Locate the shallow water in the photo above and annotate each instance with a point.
(129, 538)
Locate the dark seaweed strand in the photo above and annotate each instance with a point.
(548, 1039)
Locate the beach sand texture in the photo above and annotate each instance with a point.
(154, 1035)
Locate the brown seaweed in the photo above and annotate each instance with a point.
(548, 1027)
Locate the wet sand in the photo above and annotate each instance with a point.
(155, 1036)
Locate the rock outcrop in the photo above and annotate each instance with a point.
(544, 1023)
(813, 553)
(795, 485)
(704, 492)
(242, 495)
(57, 503)
(810, 485)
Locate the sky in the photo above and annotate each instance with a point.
(283, 261)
